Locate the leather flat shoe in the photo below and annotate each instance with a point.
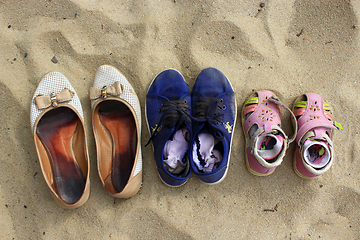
(57, 122)
(116, 119)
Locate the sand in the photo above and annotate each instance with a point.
(290, 47)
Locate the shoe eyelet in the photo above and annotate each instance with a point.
(221, 100)
(185, 101)
(224, 107)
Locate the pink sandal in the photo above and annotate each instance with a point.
(266, 142)
(315, 154)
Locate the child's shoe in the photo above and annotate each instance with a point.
(266, 142)
(315, 153)
(213, 106)
(169, 123)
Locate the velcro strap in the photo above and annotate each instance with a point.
(310, 125)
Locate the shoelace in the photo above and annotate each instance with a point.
(175, 113)
(208, 111)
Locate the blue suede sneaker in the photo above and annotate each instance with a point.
(213, 107)
(169, 123)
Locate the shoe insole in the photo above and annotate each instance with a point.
(55, 130)
(119, 121)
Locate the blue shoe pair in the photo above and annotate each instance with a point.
(198, 139)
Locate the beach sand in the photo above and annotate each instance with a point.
(289, 47)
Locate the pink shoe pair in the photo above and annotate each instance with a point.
(266, 142)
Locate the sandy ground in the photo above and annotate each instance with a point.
(290, 47)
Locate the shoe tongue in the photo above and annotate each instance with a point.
(175, 150)
(316, 153)
(205, 157)
(270, 145)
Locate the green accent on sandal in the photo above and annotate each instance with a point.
(300, 104)
(252, 100)
(303, 104)
(338, 125)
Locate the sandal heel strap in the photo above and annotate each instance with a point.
(293, 118)
(309, 126)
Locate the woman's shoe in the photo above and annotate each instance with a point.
(266, 142)
(116, 119)
(57, 122)
(314, 154)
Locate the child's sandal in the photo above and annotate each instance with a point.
(314, 154)
(266, 142)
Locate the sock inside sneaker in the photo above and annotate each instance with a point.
(175, 150)
(207, 152)
(270, 145)
(316, 153)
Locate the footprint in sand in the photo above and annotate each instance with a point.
(323, 32)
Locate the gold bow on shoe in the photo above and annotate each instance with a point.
(113, 90)
(44, 101)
